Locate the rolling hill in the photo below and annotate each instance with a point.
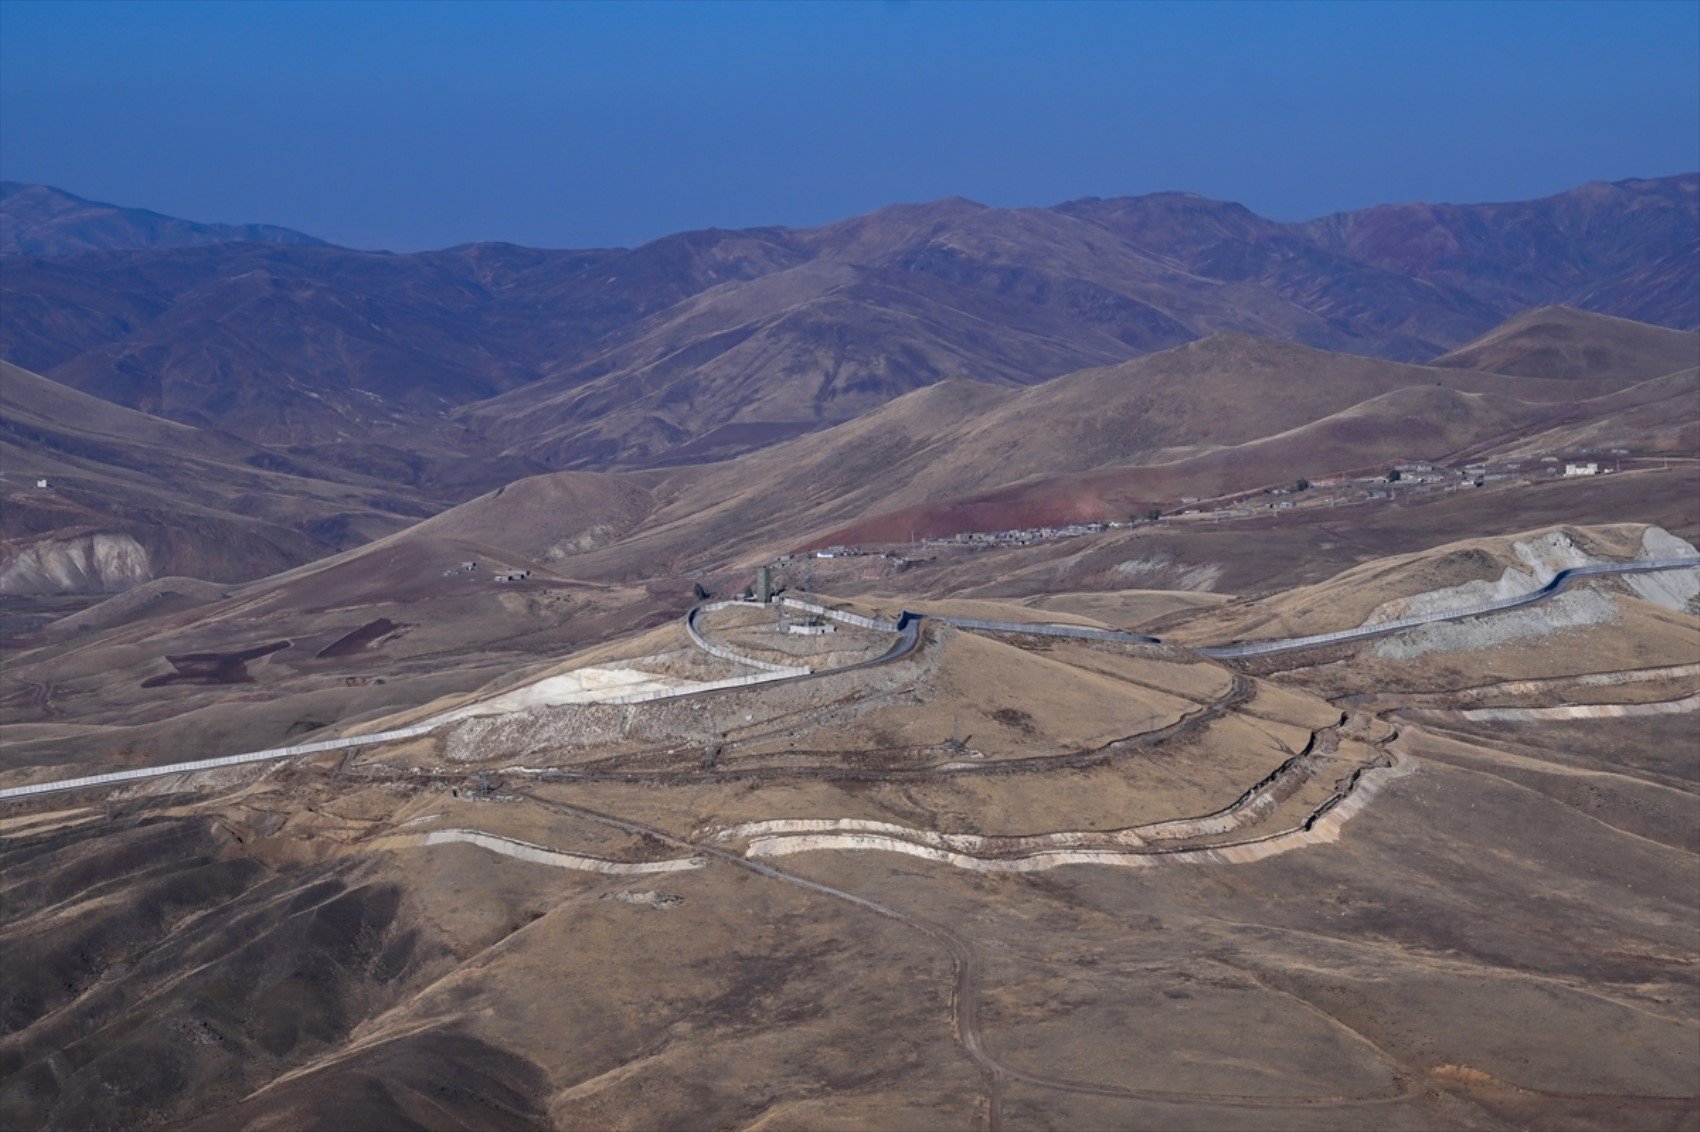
(1528, 253)
(135, 497)
(1562, 342)
(1220, 415)
(611, 553)
(1223, 414)
(1199, 411)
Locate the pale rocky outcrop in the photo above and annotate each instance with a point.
(1673, 589)
(1573, 610)
(1545, 557)
(588, 685)
(92, 563)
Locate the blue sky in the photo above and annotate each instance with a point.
(419, 125)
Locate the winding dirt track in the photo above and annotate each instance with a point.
(965, 996)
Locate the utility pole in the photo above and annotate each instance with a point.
(955, 744)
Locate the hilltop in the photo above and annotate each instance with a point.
(1565, 343)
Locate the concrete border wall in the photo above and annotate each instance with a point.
(1047, 630)
(710, 686)
(724, 653)
(113, 778)
(770, 672)
(1559, 581)
(906, 624)
(839, 615)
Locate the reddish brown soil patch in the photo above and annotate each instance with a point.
(213, 667)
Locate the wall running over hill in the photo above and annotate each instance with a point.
(724, 653)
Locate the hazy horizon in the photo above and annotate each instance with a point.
(585, 125)
(258, 220)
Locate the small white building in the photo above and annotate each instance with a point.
(1588, 469)
(44, 485)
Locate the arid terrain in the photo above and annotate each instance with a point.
(1027, 801)
(1002, 879)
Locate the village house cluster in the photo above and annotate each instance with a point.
(1402, 479)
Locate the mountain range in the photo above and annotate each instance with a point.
(456, 370)
(227, 402)
(39, 220)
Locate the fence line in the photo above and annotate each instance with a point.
(1046, 630)
(724, 653)
(1558, 582)
(855, 619)
(116, 776)
(907, 623)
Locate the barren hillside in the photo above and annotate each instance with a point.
(1560, 342)
(463, 368)
(132, 496)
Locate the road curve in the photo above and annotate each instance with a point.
(908, 629)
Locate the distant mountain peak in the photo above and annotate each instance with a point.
(40, 220)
